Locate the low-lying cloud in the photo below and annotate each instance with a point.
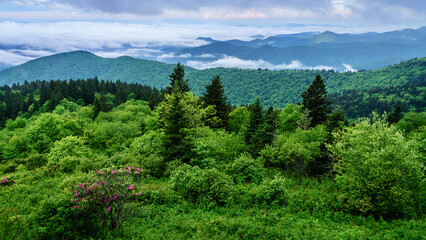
(16, 57)
(234, 62)
(348, 68)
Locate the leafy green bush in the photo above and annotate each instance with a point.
(207, 187)
(379, 170)
(218, 145)
(48, 128)
(246, 169)
(36, 160)
(273, 191)
(295, 151)
(67, 153)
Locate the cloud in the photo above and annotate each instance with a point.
(234, 62)
(149, 7)
(132, 52)
(349, 68)
(9, 58)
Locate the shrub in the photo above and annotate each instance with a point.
(272, 191)
(246, 169)
(296, 151)
(379, 170)
(109, 198)
(207, 187)
(35, 161)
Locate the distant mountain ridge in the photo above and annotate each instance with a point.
(361, 51)
(276, 88)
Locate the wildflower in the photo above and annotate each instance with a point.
(131, 187)
(109, 208)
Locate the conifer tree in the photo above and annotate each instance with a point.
(315, 100)
(396, 115)
(255, 131)
(215, 96)
(271, 122)
(177, 138)
(177, 80)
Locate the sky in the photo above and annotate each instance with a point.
(111, 28)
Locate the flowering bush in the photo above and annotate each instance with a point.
(109, 197)
(6, 181)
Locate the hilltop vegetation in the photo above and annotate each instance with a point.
(96, 165)
(242, 86)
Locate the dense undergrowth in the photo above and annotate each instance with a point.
(183, 171)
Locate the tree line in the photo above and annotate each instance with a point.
(43, 96)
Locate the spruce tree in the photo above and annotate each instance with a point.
(396, 115)
(177, 134)
(176, 80)
(255, 131)
(271, 122)
(215, 96)
(315, 100)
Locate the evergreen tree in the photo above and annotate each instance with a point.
(176, 80)
(271, 122)
(177, 134)
(396, 115)
(215, 96)
(335, 121)
(304, 122)
(255, 131)
(315, 100)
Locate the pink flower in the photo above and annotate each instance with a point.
(131, 187)
(109, 208)
(76, 194)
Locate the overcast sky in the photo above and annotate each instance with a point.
(63, 25)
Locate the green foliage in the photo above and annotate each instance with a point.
(288, 118)
(396, 115)
(296, 151)
(238, 121)
(67, 153)
(246, 169)
(412, 122)
(48, 128)
(208, 187)
(315, 100)
(217, 145)
(177, 133)
(379, 170)
(215, 96)
(177, 81)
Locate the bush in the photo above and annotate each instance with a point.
(296, 151)
(218, 145)
(207, 187)
(246, 169)
(379, 170)
(110, 197)
(36, 160)
(272, 191)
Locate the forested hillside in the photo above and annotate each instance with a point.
(242, 86)
(110, 160)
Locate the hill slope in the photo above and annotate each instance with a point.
(82, 65)
(276, 88)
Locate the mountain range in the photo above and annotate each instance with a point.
(316, 50)
(306, 50)
(276, 88)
